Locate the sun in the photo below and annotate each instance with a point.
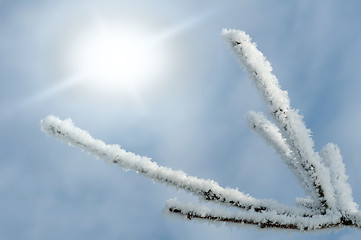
(116, 58)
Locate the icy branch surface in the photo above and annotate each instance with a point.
(329, 202)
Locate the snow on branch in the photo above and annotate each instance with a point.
(329, 201)
(316, 177)
(113, 154)
(267, 219)
(271, 133)
(333, 160)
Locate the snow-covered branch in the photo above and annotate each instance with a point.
(333, 160)
(206, 189)
(315, 176)
(263, 220)
(329, 201)
(270, 132)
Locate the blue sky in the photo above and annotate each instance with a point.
(189, 115)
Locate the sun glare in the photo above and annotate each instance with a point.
(116, 59)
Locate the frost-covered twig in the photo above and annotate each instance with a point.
(315, 176)
(271, 133)
(263, 220)
(329, 201)
(206, 189)
(333, 160)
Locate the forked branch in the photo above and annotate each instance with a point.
(329, 203)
